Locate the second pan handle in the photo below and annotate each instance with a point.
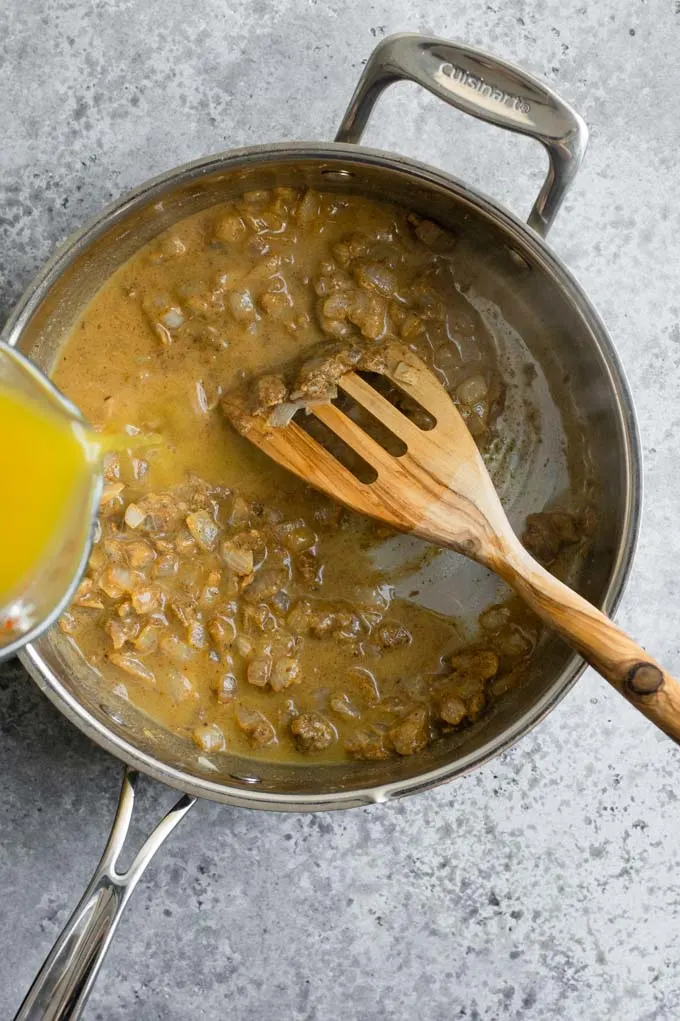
(65, 980)
(485, 87)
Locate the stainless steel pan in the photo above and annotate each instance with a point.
(510, 268)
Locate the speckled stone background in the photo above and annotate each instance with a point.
(544, 886)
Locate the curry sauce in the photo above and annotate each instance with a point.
(223, 596)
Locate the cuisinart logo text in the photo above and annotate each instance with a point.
(471, 81)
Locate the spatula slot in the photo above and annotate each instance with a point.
(375, 428)
(337, 448)
(402, 401)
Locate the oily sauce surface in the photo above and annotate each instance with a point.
(224, 597)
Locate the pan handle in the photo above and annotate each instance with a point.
(65, 980)
(485, 87)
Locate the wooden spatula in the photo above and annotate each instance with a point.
(440, 489)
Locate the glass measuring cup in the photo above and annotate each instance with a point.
(44, 593)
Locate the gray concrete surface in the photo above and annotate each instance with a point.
(544, 886)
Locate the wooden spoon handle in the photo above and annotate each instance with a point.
(615, 655)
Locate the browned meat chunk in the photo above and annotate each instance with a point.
(411, 734)
(365, 685)
(316, 376)
(452, 710)
(462, 696)
(480, 665)
(312, 733)
(467, 692)
(367, 744)
(546, 535)
(267, 391)
(375, 276)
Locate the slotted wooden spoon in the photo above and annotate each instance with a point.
(440, 489)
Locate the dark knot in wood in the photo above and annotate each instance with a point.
(644, 679)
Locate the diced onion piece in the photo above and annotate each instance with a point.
(121, 631)
(117, 580)
(197, 636)
(134, 516)
(242, 307)
(209, 596)
(222, 631)
(255, 724)
(201, 397)
(244, 645)
(177, 650)
(177, 686)
(163, 334)
(133, 666)
(286, 671)
(149, 599)
(139, 553)
(147, 640)
(341, 704)
(166, 566)
(240, 561)
(258, 671)
(203, 528)
(283, 414)
(86, 596)
(173, 318)
(209, 738)
(111, 491)
(207, 400)
(226, 688)
(377, 277)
